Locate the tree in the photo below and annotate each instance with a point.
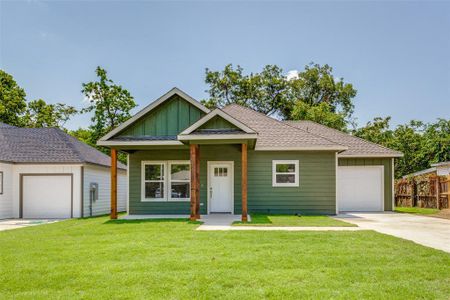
(273, 93)
(12, 100)
(110, 103)
(421, 144)
(41, 114)
(321, 113)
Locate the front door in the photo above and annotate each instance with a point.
(220, 189)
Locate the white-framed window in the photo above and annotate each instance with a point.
(284, 173)
(179, 180)
(166, 181)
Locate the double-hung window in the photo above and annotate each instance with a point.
(284, 173)
(166, 180)
(180, 181)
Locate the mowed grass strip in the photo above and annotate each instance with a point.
(100, 259)
(291, 220)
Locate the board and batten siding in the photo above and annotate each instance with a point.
(102, 176)
(316, 193)
(6, 197)
(386, 163)
(168, 119)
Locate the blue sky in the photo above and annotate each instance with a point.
(397, 54)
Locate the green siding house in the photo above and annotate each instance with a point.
(185, 159)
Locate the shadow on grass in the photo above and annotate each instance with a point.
(139, 221)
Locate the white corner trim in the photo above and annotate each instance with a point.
(151, 106)
(245, 136)
(392, 184)
(221, 113)
(336, 183)
(274, 173)
(139, 143)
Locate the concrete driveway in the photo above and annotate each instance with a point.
(20, 223)
(427, 231)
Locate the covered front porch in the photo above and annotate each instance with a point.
(217, 177)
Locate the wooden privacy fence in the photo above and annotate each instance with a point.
(428, 192)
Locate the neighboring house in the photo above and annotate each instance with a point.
(46, 173)
(241, 160)
(439, 169)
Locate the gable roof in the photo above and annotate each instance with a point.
(276, 135)
(151, 106)
(222, 114)
(47, 145)
(357, 147)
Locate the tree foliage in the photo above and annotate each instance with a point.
(41, 114)
(12, 100)
(421, 143)
(110, 103)
(271, 92)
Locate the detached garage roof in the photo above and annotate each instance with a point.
(357, 147)
(47, 145)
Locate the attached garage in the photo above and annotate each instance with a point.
(360, 188)
(46, 196)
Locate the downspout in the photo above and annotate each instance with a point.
(82, 191)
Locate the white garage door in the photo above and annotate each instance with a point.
(360, 188)
(46, 196)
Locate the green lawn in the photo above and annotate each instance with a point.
(98, 259)
(417, 210)
(290, 220)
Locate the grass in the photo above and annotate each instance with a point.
(100, 259)
(290, 220)
(417, 210)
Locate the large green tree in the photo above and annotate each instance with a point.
(421, 143)
(110, 103)
(41, 114)
(12, 100)
(313, 94)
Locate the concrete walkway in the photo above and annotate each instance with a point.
(21, 223)
(427, 231)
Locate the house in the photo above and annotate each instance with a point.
(46, 173)
(437, 169)
(184, 158)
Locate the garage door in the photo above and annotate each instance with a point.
(46, 196)
(360, 188)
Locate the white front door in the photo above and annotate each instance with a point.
(220, 189)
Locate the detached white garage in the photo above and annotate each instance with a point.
(360, 188)
(46, 173)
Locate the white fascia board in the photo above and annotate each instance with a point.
(312, 148)
(221, 113)
(151, 106)
(245, 136)
(369, 155)
(139, 143)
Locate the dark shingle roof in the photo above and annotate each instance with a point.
(3, 125)
(356, 146)
(47, 145)
(276, 135)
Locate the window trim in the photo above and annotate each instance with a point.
(274, 173)
(143, 181)
(169, 180)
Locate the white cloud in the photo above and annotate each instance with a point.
(292, 74)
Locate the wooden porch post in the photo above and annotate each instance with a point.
(438, 192)
(244, 182)
(193, 157)
(197, 186)
(113, 215)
